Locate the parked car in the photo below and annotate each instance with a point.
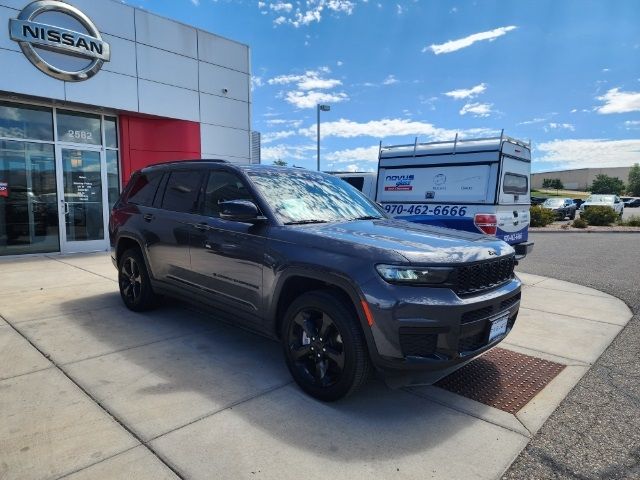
(537, 200)
(578, 202)
(631, 202)
(562, 207)
(612, 201)
(306, 258)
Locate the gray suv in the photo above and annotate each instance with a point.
(305, 258)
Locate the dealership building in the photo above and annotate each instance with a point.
(579, 178)
(92, 90)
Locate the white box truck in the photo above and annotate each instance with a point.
(479, 185)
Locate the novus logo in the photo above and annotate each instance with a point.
(401, 182)
(84, 52)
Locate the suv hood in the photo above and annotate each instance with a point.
(415, 242)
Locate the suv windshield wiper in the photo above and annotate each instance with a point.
(367, 217)
(303, 222)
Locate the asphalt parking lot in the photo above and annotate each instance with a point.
(595, 433)
(91, 390)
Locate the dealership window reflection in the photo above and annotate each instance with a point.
(28, 201)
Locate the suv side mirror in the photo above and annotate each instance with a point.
(240, 211)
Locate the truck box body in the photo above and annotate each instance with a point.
(474, 185)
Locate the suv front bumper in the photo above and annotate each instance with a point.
(431, 331)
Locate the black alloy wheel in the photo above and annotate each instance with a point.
(133, 280)
(324, 345)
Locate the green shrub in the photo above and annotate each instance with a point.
(599, 215)
(541, 217)
(632, 221)
(580, 223)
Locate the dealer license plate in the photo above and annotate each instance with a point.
(498, 328)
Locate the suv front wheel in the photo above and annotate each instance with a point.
(134, 283)
(324, 346)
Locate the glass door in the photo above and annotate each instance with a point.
(83, 199)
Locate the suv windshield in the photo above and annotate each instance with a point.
(309, 197)
(553, 202)
(601, 199)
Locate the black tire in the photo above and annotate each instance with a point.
(332, 367)
(133, 280)
(573, 215)
(621, 213)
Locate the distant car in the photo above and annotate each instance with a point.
(612, 201)
(631, 202)
(562, 207)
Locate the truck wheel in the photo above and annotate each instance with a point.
(324, 346)
(133, 280)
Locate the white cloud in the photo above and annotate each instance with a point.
(288, 153)
(467, 92)
(307, 12)
(256, 82)
(309, 99)
(399, 9)
(617, 101)
(196, 2)
(281, 121)
(582, 153)
(533, 120)
(390, 80)
(477, 109)
(632, 124)
(390, 127)
(348, 156)
(269, 137)
(559, 126)
(310, 80)
(460, 43)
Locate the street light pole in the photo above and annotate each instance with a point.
(319, 108)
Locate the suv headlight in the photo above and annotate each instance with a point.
(414, 275)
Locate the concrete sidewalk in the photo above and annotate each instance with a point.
(91, 390)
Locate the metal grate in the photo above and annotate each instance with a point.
(502, 379)
(482, 276)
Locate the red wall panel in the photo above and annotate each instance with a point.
(145, 141)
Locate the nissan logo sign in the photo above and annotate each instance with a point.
(61, 52)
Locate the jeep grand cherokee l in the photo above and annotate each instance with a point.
(305, 258)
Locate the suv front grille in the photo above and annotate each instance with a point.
(478, 277)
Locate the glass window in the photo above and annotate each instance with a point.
(113, 177)
(309, 197)
(223, 186)
(144, 188)
(110, 132)
(28, 199)
(17, 121)
(78, 127)
(515, 184)
(181, 194)
(357, 182)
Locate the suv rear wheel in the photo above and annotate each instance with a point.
(324, 346)
(134, 283)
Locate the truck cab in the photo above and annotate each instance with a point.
(477, 185)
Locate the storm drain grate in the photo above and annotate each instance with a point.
(502, 379)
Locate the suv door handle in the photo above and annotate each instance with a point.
(147, 217)
(202, 226)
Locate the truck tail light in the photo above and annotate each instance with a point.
(486, 223)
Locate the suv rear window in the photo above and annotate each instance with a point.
(181, 193)
(144, 189)
(515, 184)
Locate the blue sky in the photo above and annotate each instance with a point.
(565, 74)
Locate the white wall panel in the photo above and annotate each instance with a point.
(214, 78)
(222, 141)
(224, 111)
(168, 101)
(123, 56)
(110, 17)
(223, 52)
(5, 41)
(110, 90)
(163, 33)
(20, 76)
(166, 67)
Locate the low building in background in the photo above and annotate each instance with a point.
(580, 178)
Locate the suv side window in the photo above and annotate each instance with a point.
(222, 186)
(181, 192)
(144, 188)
